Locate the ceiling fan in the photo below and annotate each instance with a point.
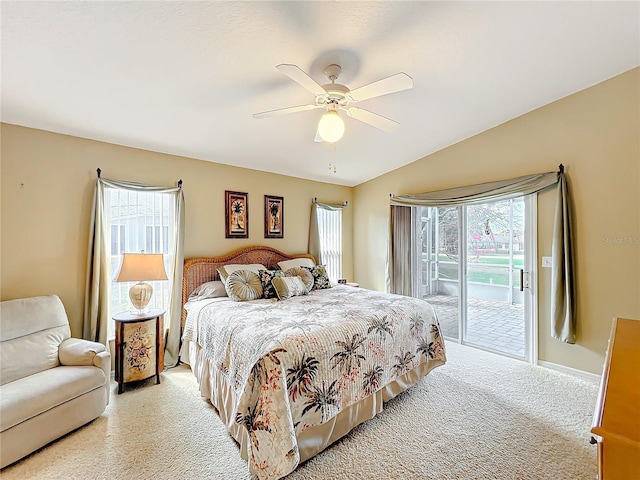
(334, 97)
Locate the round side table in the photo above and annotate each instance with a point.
(139, 346)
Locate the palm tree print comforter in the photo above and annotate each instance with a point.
(297, 363)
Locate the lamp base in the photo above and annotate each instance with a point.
(140, 295)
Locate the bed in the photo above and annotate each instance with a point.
(290, 377)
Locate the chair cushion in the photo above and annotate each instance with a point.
(30, 396)
(31, 330)
(29, 315)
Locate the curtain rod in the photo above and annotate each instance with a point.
(99, 170)
(315, 200)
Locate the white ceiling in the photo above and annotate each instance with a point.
(185, 77)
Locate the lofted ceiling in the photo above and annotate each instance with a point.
(184, 78)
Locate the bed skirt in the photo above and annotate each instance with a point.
(314, 439)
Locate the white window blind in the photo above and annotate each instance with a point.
(138, 222)
(330, 231)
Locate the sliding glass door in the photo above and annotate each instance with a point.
(474, 267)
(439, 265)
(494, 261)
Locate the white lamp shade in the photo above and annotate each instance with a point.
(331, 127)
(138, 267)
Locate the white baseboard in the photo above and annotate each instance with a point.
(592, 377)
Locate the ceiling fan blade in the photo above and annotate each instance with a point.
(296, 74)
(282, 111)
(373, 119)
(392, 84)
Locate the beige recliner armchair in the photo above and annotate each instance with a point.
(50, 383)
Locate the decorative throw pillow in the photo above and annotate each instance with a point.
(320, 277)
(228, 269)
(266, 276)
(243, 285)
(296, 262)
(304, 274)
(287, 287)
(212, 289)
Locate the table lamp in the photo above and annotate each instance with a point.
(138, 267)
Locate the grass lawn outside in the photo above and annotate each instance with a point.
(487, 269)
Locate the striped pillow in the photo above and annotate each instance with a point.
(287, 287)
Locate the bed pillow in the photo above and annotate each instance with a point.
(212, 289)
(304, 274)
(243, 285)
(266, 276)
(296, 262)
(287, 287)
(320, 277)
(227, 269)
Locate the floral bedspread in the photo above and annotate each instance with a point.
(296, 363)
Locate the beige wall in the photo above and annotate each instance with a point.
(47, 185)
(595, 134)
(47, 189)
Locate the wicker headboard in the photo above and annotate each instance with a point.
(205, 269)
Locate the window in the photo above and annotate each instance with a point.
(157, 239)
(117, 239)
(330, 236)
(139, 222)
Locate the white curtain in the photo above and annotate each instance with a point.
(563, 324)
(98, 283)
(325, 237)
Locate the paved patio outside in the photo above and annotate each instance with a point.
(491, 324)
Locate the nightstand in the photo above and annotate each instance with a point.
(139, 346)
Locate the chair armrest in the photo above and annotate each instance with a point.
(76, 351)
(103, 360)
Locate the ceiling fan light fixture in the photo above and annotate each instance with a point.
(334, 96)
(331, 127)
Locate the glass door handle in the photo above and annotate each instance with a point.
(522, 280)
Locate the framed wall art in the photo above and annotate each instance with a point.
(236, 214)
(273, 217)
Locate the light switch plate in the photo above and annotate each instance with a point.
(546, 262)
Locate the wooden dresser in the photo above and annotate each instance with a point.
(616, 422)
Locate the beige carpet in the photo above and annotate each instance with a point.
(480, 416)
